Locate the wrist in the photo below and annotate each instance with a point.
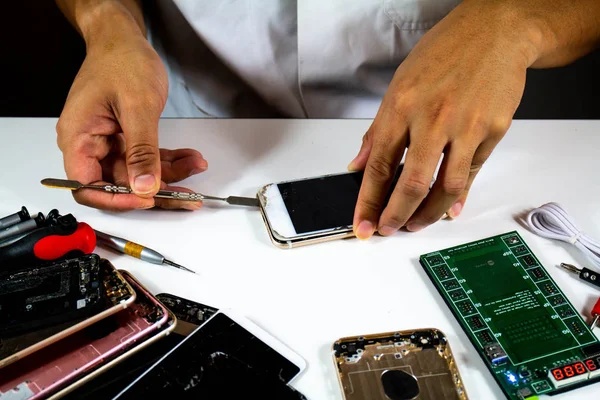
(520, 32)
(108, 22)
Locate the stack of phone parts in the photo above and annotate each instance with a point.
(146, 309)
(63, 365)
(398, 365)
(53, 289)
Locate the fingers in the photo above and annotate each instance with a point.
(360, 161)
(388, 144)
(177, 165)
(115, 170)
(481, 155)
(139, 121)
(421, 161)
(449, 185)
(177, 204)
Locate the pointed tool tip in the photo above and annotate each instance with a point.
(171, 263)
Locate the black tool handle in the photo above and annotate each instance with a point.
(21, 253)
(590, 276)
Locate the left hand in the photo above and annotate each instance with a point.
(455, 94)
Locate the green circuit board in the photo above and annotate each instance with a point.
(523, 326)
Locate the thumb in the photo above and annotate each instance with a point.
(141, 151)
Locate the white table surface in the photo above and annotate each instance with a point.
(309, 297)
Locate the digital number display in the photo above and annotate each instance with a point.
(569, 371)
(592, 364)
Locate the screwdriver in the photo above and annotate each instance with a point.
(584, 274)
(135, 250)
(49, 243)
(595, 314)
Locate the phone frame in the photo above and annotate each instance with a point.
(337, 233)
(452, 364)
(248, 325)
(79, 326)
(128, 353)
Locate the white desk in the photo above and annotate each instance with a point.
(309, 297)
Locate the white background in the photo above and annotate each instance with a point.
(309, 297)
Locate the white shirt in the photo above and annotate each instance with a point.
(292, 58)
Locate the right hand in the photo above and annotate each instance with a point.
(108, 129)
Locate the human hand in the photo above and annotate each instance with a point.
(108, 130)
(455, 94)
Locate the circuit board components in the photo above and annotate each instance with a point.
(522, 325)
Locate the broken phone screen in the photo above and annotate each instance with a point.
(222, 360)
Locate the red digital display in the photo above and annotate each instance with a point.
(592, 364)
(569, 371)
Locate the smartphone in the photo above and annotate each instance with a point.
(398, 365)
(223, 358)
(160, 334)
(117, 295)
(311, 210)
(64, 362)
(189, 315)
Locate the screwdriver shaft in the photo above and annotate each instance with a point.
(135, 250)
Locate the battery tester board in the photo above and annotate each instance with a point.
(527, 332)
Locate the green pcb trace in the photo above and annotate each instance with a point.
(522, 325)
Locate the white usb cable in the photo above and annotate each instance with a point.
(552, 221)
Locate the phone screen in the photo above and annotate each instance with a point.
(221, 359)
(321, 203)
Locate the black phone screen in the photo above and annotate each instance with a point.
(323, 203)
(220, 360)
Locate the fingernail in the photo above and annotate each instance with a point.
(365, 230)
(455, 210)
(415, 226)
(351, 166)
(387, 230)
(144, 184)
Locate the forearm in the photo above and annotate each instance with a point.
(560, 31)
(104, 20)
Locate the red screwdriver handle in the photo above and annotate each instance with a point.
(66, 237)
(55, 246)
(596, 309)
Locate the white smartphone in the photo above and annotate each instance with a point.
(311, 210)
(226, 354)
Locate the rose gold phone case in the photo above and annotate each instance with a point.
(420, 358)
(116, 307)
(61, 366)
(169, 327)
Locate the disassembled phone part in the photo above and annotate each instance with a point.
(36, 297)
(527, 332)
(116, 294)
(68, 360)
(151, 313)
(398, 365)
